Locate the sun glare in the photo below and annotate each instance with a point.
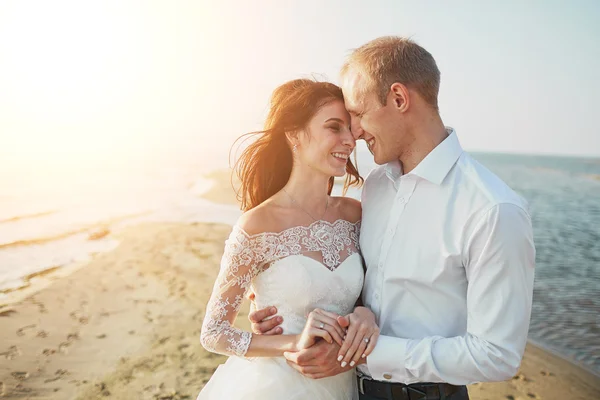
(67, 73)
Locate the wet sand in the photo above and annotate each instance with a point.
(127, 325)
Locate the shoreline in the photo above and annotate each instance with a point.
(555, 353)
(218, 192)
(126, 324)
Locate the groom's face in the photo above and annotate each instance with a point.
(370, 120)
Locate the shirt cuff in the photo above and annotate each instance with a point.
(387, 361)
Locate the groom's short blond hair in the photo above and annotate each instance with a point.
(390, 59)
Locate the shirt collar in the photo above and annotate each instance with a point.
(436, 165)
(393, 170)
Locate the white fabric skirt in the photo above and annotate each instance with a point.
(274, 379)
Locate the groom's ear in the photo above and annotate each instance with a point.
(399, 96)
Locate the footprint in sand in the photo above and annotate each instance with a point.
(42, 334)
(63, 347)
(57, 375)
(20, 375)
(12, 353)
(41, 307)
(71, 337)
(148, 316)
(163, 340)
(21, 331)
(103, 390)
(533, 396)
(49, 352)
(80, 317)
(521, 377)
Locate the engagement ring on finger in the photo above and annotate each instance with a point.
(366, 340)
(322, 325)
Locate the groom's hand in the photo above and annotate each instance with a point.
(263, 324)
(318, 361)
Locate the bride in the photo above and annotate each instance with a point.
(295, 247)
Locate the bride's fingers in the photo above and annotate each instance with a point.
(333, 317)
(333, 333)
(357, 341)
(275, 331)
(348, 340)
(332, 322)
(317, 322)
(329, 314)
(317, 332)
(362, 348)
(372, 343)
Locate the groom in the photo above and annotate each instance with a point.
(448, 246)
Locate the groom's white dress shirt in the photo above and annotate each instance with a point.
(450, 264)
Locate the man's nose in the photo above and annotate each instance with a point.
(357, 130)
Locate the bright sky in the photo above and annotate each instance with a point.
(83, 80)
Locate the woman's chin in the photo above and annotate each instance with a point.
(338, 173)
(337, 170)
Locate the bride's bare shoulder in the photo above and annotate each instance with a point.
(266, 217)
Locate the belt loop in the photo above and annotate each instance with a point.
(389, 394)
(442, 391)
(405, 392)
(361, 384)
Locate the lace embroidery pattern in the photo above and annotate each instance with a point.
(331, 239)
(246, 256)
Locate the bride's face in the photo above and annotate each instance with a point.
(327, 143)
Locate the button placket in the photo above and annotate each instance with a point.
(406, 186)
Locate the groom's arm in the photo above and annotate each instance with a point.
(266, 321)
(499, 263)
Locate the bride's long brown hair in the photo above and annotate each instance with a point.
(264, 167)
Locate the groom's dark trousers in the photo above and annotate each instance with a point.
(374, 390)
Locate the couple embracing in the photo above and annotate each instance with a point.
(421, 288)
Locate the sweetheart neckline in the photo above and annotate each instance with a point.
(317, 261)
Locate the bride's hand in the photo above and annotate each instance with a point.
(361, 337)
(320, 324)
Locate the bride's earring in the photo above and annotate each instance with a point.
(295, 149)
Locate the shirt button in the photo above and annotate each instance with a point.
(390, 231)
(402, 200)
(387, 376)
(380, 265)
(377, 296)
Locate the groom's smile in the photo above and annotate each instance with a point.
(370, 143)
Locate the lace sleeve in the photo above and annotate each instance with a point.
(239, 265)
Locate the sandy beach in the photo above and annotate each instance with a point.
(127, 326)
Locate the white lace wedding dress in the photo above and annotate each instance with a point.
(296, 270)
